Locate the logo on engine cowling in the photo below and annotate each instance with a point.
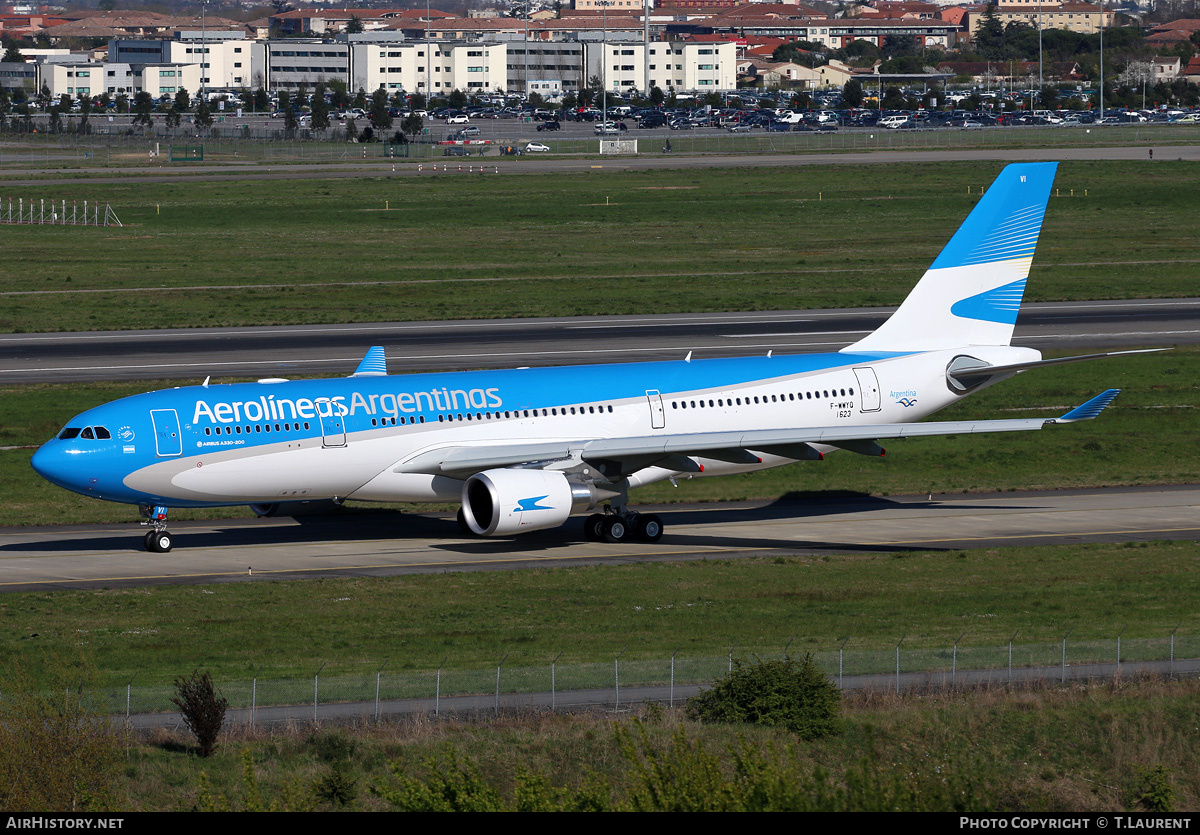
(530, 504)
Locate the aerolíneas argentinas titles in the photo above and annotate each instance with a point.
(523, 449)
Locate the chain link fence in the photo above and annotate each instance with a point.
(667, 674)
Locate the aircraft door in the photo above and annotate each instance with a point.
(166, 432)
(333, 424)
(868, 389)
(658, 415)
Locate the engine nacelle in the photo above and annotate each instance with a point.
(504, 502)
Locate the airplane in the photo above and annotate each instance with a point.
(523, 449)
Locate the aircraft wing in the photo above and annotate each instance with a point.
(620, 456)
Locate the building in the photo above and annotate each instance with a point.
(1084, 18)
(228, 63)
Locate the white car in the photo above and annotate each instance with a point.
(536, 147)
(460, 119)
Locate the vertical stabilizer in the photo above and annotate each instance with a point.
(972, 293)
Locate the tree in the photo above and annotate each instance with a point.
(289, 113)
(339, 97)
(380, 117)
(360, 99)
(657, 96)
(412, 125)
(354, 25)
(320, 110)
(852, 93)
(12, 54)
(989, 34)
(172, 118)
(183, 102)
(458, 99)
(203, 117)
(262, 102)
(143, 105)
(85, 111)
(203, 708)
(417, 101)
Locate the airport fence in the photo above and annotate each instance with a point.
(231, 142)
(669, 674)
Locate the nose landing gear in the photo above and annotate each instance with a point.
(157, 540)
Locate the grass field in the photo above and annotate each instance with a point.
(379, 249)
(701, 608)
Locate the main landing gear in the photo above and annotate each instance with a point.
(157, 540)
(624, 526)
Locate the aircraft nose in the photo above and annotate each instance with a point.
(55, 464)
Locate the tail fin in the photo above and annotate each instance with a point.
(971, 294)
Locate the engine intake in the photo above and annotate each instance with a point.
(510, 501)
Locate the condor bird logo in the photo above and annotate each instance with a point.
(530, 504)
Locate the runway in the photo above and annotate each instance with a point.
(375, 544)
(424, 346)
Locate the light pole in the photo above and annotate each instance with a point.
(203, 48)
(428, 65)
(603, 4)
(1101, 62)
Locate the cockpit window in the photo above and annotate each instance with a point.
(88, 434)
(69, 433)
(102, 434)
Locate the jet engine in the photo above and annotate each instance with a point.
(509, 501)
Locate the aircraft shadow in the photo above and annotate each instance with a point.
(373, 524)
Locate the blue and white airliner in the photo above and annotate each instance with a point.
(523, 449)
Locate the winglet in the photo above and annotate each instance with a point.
(1090, 409)
(374, 364)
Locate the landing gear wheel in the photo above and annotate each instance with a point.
(649, 528)
(593, 528)
(615, 530)
(159, 542)
(148, 541)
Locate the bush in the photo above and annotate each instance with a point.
(202, 707)
(59, 751)
(792, 693)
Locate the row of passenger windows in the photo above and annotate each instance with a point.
(90, 433)
(738, 401)
(518, 413)
(255, 428)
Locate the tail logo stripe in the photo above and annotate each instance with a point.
(999, 305)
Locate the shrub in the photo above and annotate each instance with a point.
(792, 693)
(59, 751)
(202, 707)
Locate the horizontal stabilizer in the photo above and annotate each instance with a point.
(1090, 409)
(374, 364)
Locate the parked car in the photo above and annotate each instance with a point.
(550, 126)
(456, 151)
(536, 147)
(458, 119)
